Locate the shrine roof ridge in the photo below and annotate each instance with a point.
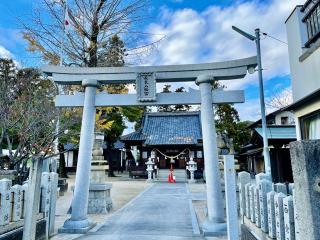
(177, 113)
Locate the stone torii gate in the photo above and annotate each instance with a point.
(145, 78)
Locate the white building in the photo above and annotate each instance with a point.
(303, 31)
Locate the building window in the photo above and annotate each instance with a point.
(312, 21)
(311, 126)
(284, 120)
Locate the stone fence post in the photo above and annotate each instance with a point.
(53, 201)
(46, 198)
(265, 186)
(305, 160)
(33, 199)
(271, 215)
(5, 185)
(19, 204)
(288, 215)
(231, 197)
(16, 203)
(243, 179)
(278, 200)
(270, 207)
(24, 192)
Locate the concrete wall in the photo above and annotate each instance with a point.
(290, 115)
(305, 73)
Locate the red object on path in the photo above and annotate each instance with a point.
(170, 176)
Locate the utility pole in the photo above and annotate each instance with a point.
(266, 153)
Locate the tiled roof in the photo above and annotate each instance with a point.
(70, 146)
(118, 145)
(135, 136)
(168, 128)
(278, 132)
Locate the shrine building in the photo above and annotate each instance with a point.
(168, 138)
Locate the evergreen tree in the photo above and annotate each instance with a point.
(113, 54)
(173, 108)
(243, 134)
(228, 121)
(165, 108)
(181, 108)
(7, 95)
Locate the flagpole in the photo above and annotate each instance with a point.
(59, 88)
(64, 9)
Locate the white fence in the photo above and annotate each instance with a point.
(13, 201)
(269, 206)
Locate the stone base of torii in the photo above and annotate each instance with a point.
(146, 78)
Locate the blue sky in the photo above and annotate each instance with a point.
(196, 31)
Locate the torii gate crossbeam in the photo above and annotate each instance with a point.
(146, 78)
(189, 98)
(227, 70)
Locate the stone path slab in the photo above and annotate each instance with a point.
(161, 212)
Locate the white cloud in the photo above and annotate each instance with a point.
(4, 53)
(195, 37)
(250, 110)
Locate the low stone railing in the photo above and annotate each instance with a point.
(269, 206)
(13, 202)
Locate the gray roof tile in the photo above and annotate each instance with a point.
(168, 128)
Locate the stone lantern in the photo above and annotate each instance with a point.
(192, 167)
(149, 169)
(99, 201)
(98, 164)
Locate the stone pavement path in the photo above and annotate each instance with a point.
(162, 212)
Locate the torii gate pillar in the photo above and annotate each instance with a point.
(79, 222)
(215, 224)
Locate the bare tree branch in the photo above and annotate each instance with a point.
(280, 98)
(93, 23)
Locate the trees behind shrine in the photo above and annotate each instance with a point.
(228, 121)
(173, 108)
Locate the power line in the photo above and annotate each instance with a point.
(274, 38)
